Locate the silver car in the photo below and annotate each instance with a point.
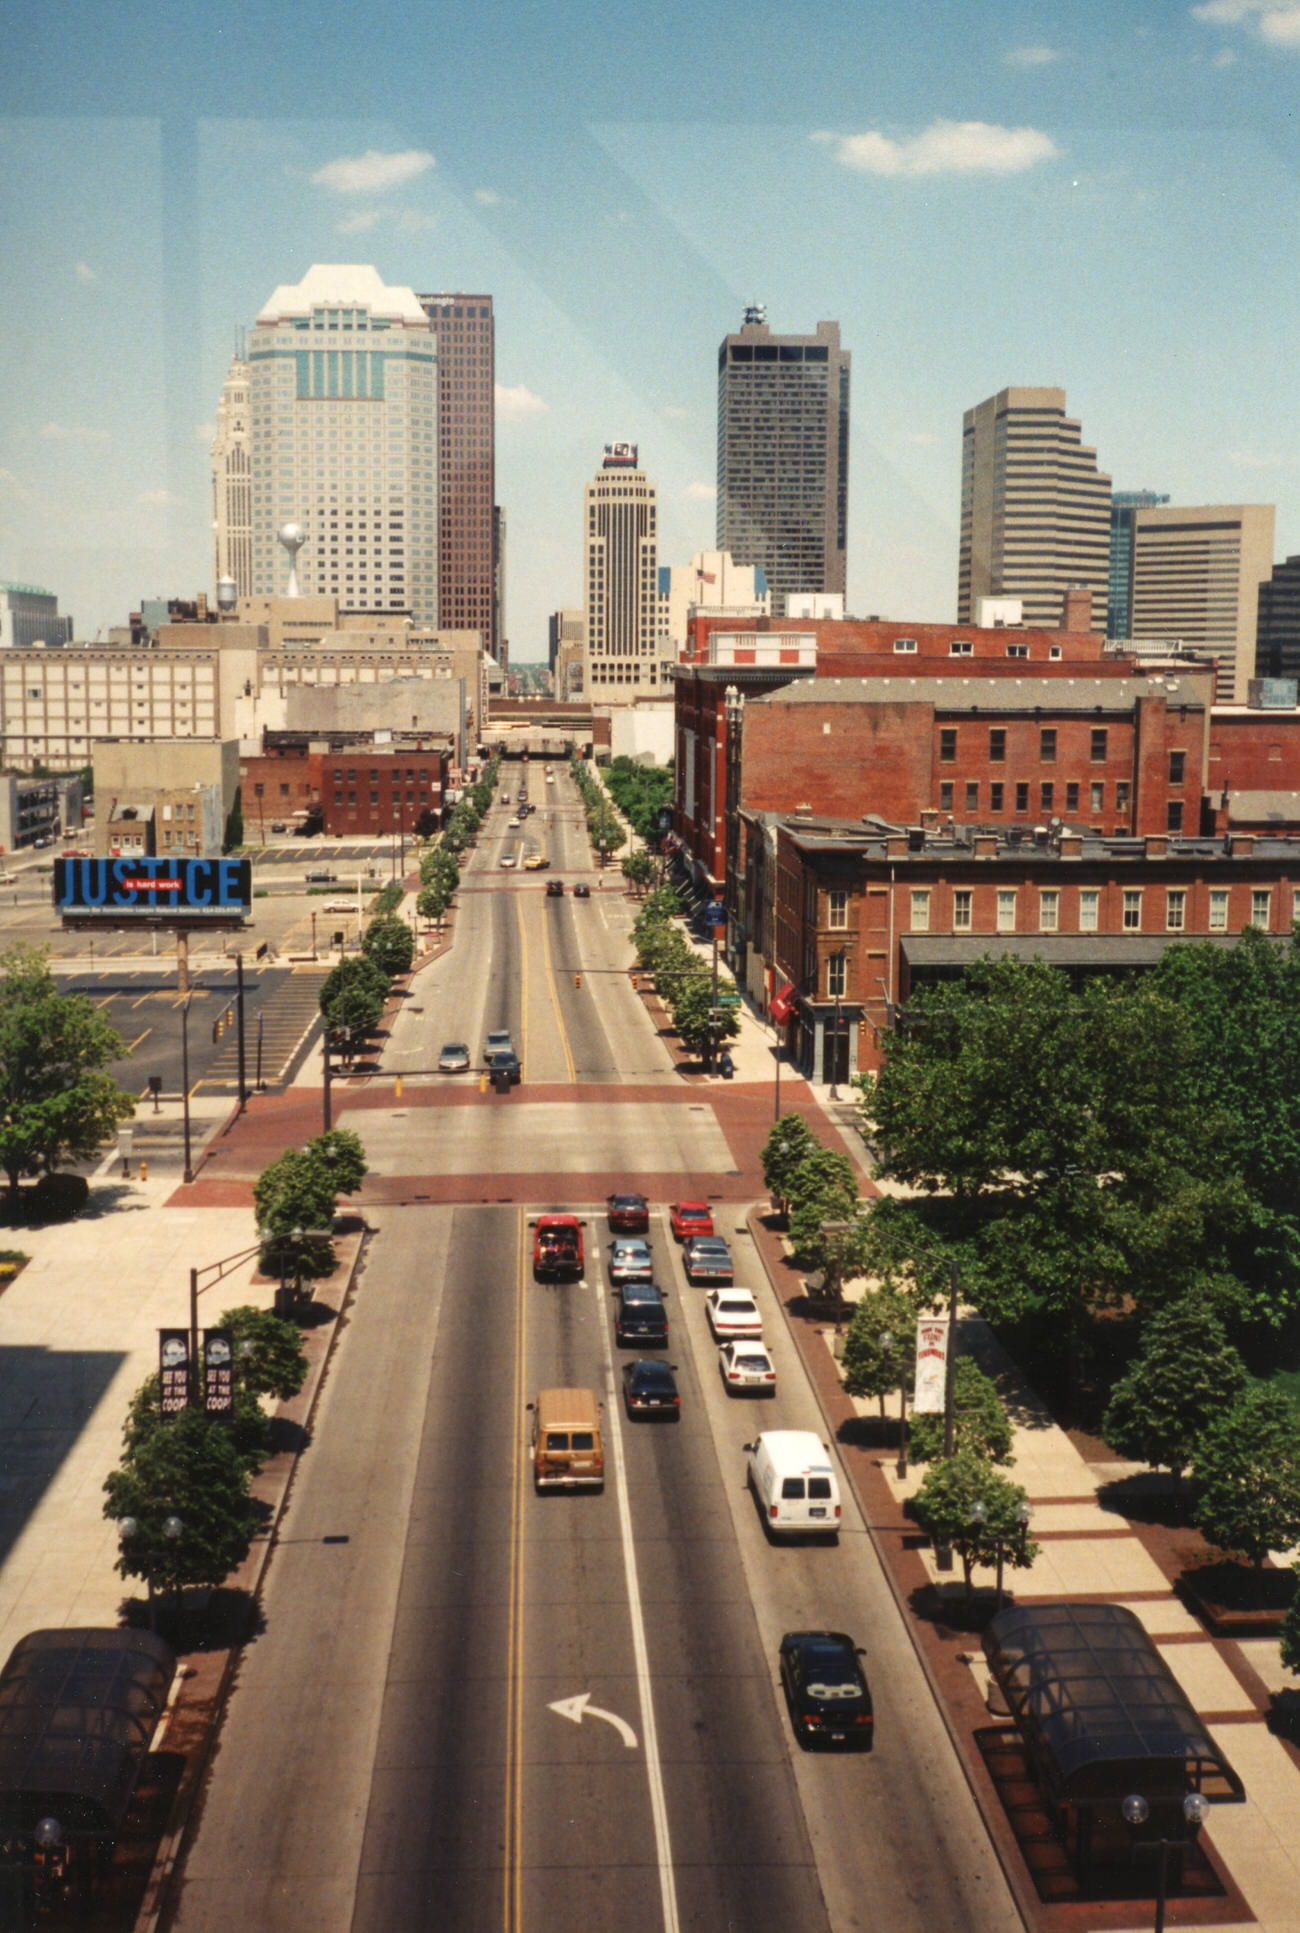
(454, 1058)
(630, 1260)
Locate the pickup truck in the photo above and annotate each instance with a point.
(557, 1246)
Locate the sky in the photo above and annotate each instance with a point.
(1100, 195)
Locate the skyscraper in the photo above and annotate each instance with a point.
(783, 455)
(1119, 596)
(466, 331)
(1196, 577)
(343, 378)
(1035, 509)
(232, 482)
(1277, 644)
(620, 577)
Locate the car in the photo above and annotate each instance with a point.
(706, 1258)
(505, 798)
(746, 1366)
(536, 862)
(278, 825)
(514, 823)
(454, 1058)
(340, 906)
(321, 877)
(630, 1260)
(690, 1218)
(733, 1313)
(826, 1690)
(628, 1214)
(507, 862)
(650, 1389)
(640, 1315)
(499, 1040)
(555, 889)
(582, 890)
(509, 1066)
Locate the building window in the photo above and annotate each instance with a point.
(1006, 910)
(1177, 767)
(1098, 751)
(1017, 650)
(997, 746)
(961, 910)
(1097, 796)
(1047, 745)
(972, 795)
(837, 976)
(1122, 790)
(1046, 796)
(1132, 911)
(1175, 910)
(1049, 910)
(945, 796)
(1259, 905)
(837, 908)
(1089, 909)
(1054, 651)
(1022, 796)
(947, 747)
(995, 796)
(905, 644)
(1174, 816)
(962, 648)
(1072, 797)
(920, 912)
(1218, 910)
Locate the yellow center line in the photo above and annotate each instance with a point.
(555, 1001)
(512, 1898)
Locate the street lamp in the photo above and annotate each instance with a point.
(887, 1349)
(1003, 1540)
(185, 1084)
(52, 1852)
(128, 1529)
(1137, 1811)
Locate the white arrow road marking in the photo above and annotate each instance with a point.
(578, 1708)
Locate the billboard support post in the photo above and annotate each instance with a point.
(182, 960)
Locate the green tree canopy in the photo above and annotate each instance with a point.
(1290, 1632)
(640, 792)
(638, 869)
(963, 1502)
(1185, 1373)
(980, 1423)
(190, 1470)
(269, 1358)
(390, 943)
(823, 1188)
(56, 1101)
(871, 1369)
(1247, 1467)
(788, 1144)
(248, 1424)
(299, 1191)
(432, 903)
(698, 1025)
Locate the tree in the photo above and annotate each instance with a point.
(1290, 1632)
(963, 1502)
(352, 1000)
(869, 1368)
(390, 943)
(299, 1192)
(823, 1188)
(248, 1425)
(699, 1024)
(56, 1102)
(426, 824)
(1185, 1372)
(190, 1470)
(1247, 1466)
(234, 834)
(638, 869)
(606, 834)
(269, 1358)
(979, 1421)
(789, 1143)
(432, 902)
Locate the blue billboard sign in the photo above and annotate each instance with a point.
(180, 891)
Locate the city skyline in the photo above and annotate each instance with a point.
(979, 201)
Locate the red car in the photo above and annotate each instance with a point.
(557, 1246)
(690, 1218)
(628, 1214)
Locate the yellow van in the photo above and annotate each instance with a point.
(567, 1446)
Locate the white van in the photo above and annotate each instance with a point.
(791, 1475)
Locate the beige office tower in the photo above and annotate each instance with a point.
(620, 578)
(1035, 509)
(1196, 578)
(232, 483)
(343, 375)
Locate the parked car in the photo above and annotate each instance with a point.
(732, 1313)
(340, 906)
(582, 890)
(746, 1367)
(630, 1260)
(321, 877)
(628, 1214)
(650, 1389)
(706, 1258)
(555, 889)
(690, 1218)
(277, 825)
(640, 1315)
(454, 1058)
(826, 1689)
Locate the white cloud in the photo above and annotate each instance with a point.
(84, 272)
(1260, 460)
(156, 499)
(1037, 56)
(1275, 22)
(73, 433)
(487, 197)
(372, 172)
(701, 492)
(946, 147)
(357, 221)
(1224, 58)
(513, 404)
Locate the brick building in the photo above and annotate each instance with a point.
(346, 786)
(861, 915)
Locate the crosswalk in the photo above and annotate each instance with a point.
(283, 1021)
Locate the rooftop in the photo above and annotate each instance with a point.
(343, 284)
(997, 694)
(1049, 844)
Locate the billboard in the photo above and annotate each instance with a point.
(199, 892)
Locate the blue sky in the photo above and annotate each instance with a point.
(1101, 196)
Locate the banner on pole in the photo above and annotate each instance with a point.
(218, 1372)
(929, 1395)
(174, 1370)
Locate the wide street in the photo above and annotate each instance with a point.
(473, 1707)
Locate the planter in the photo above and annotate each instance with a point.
(1237, 1601)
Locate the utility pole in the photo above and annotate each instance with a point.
(239, 1022)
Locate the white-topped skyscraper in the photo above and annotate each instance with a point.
(232, 482)
(620, 577)
(343, 405)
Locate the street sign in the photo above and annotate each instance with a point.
(726, 999)
(715, 913)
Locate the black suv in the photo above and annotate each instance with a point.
(639, 1315)
(555, 889)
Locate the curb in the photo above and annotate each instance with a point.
(157, 1892)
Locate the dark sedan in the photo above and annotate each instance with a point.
(706, 1258)
(582, 890)
(650, 1389)
(826, 1690)
(640, 1315)
(628, 1214)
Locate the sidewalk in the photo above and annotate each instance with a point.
(1088, 1549)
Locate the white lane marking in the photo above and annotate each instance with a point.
(649, 1731)
(576, 1709)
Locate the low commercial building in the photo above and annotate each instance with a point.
(347, 784)
(31, 811)
(198, 778)
(29, 617)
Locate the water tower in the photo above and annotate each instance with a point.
(292, 537)
(227, 595)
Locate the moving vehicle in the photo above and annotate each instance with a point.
(826, 1689)
(557, 1246)
(515, 823)
(567, 1447)
(794, 1484)
(536, 862)
(340, 906)
(690, 1218)
(628, 1214)
(640, 1315)
(499, 1040)
(507, 862)
(650, 1389)
(706, 1258)
(630, 1260)
(555, 889)
(582, 890)
(746, 1367)
(507, 1068)
(454, 1058)
(732, 1313)
(505, 798)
